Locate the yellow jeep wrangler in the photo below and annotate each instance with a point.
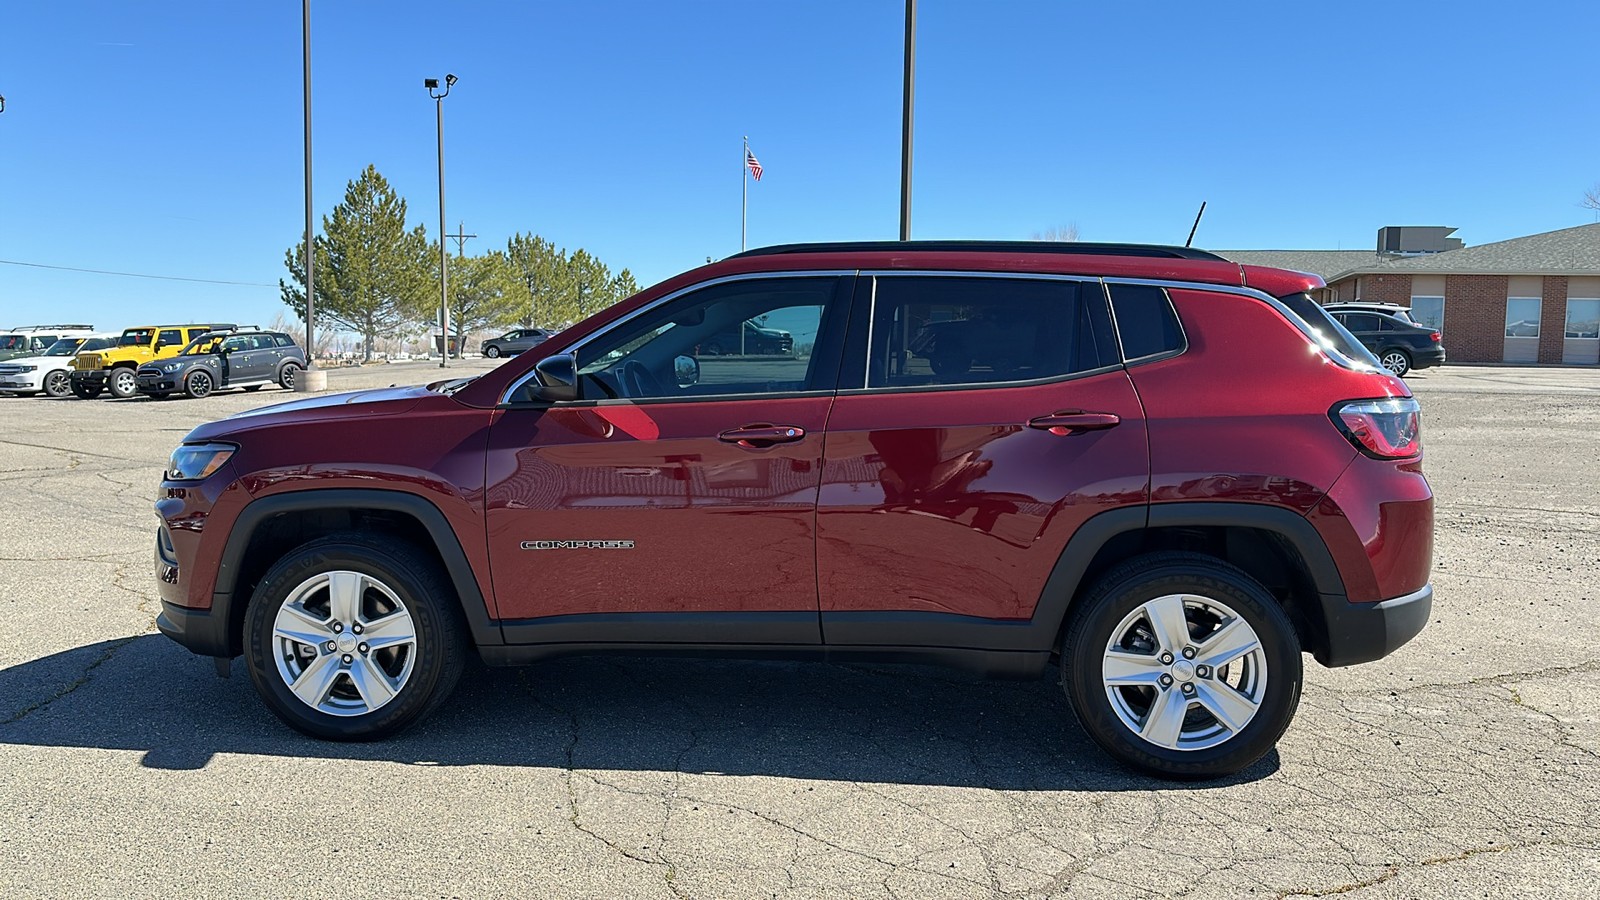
(116, 366)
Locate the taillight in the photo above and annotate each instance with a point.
(1384, 429)
(1435, 337)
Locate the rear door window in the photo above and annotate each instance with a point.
(966, 330)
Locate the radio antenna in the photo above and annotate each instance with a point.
(1196, 223)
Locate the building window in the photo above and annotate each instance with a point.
(1522, 316)
(1583, 318)
(1428, 311)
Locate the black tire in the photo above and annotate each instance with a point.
(159, 395)
(1125, 589)
(441, 641)
(123, 383)
(492, 351)
(287, 375)
(1397, 361)
(82, 391)
(199, 383)
(251, 389)
(57, 384)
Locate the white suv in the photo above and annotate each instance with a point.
(48, 372)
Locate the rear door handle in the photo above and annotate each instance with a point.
(762, 435)
(1074, 421)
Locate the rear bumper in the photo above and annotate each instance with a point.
(1427, 359)
(1363, 632)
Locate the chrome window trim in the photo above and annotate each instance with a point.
(1288, 314)
(505, 396)
(872, 310)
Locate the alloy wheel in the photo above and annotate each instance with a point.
(344, 643)
(1184, 672)
(1396, 362)
(123, 384)
(57, 384)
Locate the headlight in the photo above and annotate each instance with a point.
(197, 462)
(171, 367)
(27, 368)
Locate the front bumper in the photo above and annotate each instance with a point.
(1363, 632)
(155, 381)
(28, 381)
(93, 379)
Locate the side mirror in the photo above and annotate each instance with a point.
(687, 371)
(557, 378)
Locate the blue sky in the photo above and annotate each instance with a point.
(164, 138)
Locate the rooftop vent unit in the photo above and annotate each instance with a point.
(1415, 240)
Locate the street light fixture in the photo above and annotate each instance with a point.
(432, 84)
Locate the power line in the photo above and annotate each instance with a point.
(12, 262)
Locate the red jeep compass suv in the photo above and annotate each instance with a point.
(1169, 473)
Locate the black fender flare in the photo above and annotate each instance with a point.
(485, 631)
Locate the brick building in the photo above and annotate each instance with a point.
(1533, 299)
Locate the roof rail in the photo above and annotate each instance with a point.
(21, 328)
(1160, 251)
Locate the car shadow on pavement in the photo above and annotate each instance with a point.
(884, 724)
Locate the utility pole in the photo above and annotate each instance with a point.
(905, 120)
(461, 239)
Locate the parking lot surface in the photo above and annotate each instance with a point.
(1467, 764)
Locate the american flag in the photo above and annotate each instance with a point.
(752, 163)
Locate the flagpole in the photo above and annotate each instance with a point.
(744, 191)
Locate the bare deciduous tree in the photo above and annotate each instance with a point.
(1591, 198)
(1067, 232)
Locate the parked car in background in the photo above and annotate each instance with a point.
(1400, 345)
(518, 340)
(1115, 487)
(117, 367)
(48, 372)
(224, 359)
(1403, 313)
(757, 341)
(32, 340)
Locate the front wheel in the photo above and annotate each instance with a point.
(1182, 666)
(1396, 361)
(492, 351)
(57, 384)
(199, 384)
(83, 392)
(352, 637)
(123, 383)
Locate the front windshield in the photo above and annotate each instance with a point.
(136, 337)
(64, 347)
(201, 344)
(103, 343)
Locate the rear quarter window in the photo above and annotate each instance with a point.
(1147, 325)
(1329, 332)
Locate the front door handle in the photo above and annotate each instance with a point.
(762, 435)
(1074, 421)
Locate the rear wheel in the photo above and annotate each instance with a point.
(1398, 362)
(123, 384)
(1182, 666)
(352, 637)
(199, 384)
(57, 384)
(286, 376)
(251, 389)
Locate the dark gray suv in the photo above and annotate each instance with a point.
(513, 342)
(224, 359)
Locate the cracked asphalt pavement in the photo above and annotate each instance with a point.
(1467, 764)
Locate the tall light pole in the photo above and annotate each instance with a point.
(311, 253)
(432, 84)
(905, 121)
